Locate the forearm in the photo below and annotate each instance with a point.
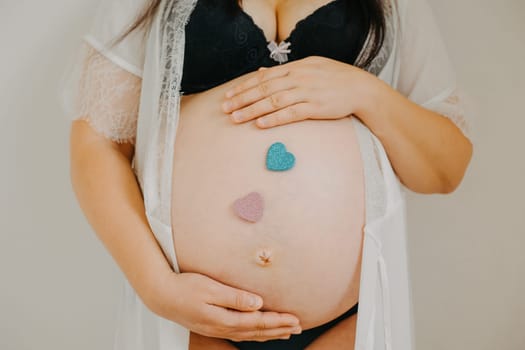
(427, 151)
(109, 195)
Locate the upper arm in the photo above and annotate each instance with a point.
(426, 75)
(84, 137)
(102, 85)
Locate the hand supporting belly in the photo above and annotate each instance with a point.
(303, 255)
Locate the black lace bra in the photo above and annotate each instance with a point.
(221, 45)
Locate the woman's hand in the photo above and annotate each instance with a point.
(311, 88)
(210, 308)
(428, 152)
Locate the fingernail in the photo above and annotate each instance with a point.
(297, 330)
(227, 106)
(254, 302)
(286, 337)
(262, 122)
(229, 93)
(237, 116)
(296, 324)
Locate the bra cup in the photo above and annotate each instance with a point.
(222, 44)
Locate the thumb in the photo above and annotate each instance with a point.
(236, 299)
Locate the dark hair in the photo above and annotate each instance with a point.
(373, 13)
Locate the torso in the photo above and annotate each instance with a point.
(312, 225)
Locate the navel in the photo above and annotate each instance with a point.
(263, 257)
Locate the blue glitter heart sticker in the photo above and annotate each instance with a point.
(278, 159)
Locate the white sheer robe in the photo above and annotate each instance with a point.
(130, 93)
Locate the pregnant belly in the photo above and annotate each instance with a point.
(303, 255)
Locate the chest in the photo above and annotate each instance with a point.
(278, 18)
(225, 40)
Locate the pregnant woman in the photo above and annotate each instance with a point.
(242, 163)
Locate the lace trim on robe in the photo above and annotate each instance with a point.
(108, 97)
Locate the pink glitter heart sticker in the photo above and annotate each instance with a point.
(249, 207)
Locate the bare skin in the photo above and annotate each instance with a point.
(341, 336)
(427, 150)
(289, 12)
(442, 172)
(132, 244)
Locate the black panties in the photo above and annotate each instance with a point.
(296, 341)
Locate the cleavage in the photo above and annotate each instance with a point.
(270, 19)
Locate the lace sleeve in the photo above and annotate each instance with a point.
(103, 80)
(107, 97)
(426, 75)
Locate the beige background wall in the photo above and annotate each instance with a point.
(58, 286)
